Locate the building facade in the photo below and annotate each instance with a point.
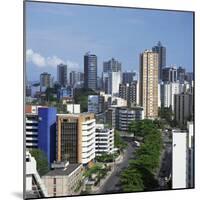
(73, 108)
(62, 74)
(31, 131)
(63, 181)
(149, 83)
(179, 159)
(168, 90)
(124, 116)
(104, 140)
(47, 132)
(90, 71)
(128, 77)
(129, 92)
(65, 92)
(161, 51)
(111, 76)
(181, 74)
(114, 80)
(183, 108)
(95, 104)
(76, 138)
(112, 66)
(45, 81)
(169, 74)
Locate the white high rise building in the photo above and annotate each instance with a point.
(168, 90)
(114, 79)
(179, 159)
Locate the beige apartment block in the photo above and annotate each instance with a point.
(76, 138)
(149, 83)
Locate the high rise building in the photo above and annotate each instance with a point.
(114, 80)
(76, 138)
(179, 159)
(169, 74)
(189, 77)
(45, 81)
(47, 132)
(181, 74)
(62, 74)
(161, 50)
(149, 83)
(168, 90)
(129, 92)
(128, 77)
(112, 66)
(73, 78)
(111, 76)
(90, 71)
(183, 108)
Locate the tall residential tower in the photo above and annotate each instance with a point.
(149, 83)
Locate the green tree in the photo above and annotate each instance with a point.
(118, 142)
(41, 159)
(131, 180)
(147, 157)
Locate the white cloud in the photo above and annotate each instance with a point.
(35, 58)
(51, 61)
(54, 61)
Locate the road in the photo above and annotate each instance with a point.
(112, 185)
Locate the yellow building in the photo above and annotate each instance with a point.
(149, 83)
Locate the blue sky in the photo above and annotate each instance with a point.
(64, 33)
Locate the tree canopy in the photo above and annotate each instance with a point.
(142, 168)
(41, 159)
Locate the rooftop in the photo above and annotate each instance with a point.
(63, 172)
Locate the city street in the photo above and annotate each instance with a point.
(112, 185)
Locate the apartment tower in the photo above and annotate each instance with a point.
(149, 83)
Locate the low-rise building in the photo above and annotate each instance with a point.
(95, 104)
(73, 108)
(104, 140)
(63, 180)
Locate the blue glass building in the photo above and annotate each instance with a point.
(47, 132)
(65, 92)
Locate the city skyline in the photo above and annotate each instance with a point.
(52, 40)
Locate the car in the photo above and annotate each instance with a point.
(137, 143)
